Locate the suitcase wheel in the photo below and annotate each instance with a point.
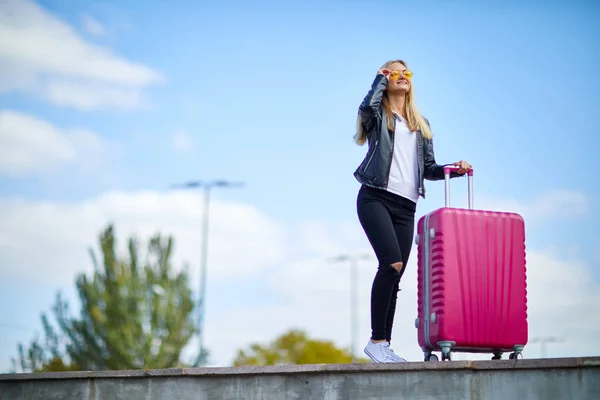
(431, 357)
(446, 346)
(517, 352)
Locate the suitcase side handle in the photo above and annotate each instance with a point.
(447, 170)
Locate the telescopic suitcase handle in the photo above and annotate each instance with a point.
(447, 170)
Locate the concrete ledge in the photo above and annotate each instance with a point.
(524, 364)
(527, 379)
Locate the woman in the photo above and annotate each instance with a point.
(399, 157)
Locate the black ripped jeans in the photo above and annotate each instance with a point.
(388, 221)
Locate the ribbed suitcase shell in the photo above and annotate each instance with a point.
(471, 280)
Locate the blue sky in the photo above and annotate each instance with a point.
(267, 93)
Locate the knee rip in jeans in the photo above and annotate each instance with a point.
(387, 270)
(390, 270)
(397, 266)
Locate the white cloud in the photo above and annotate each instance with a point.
(547, 206)
(321, 238)
(43, 55)
(30, 145)
(92, 26)
(242, 239)
(87, 96)
(298, 287)
(183, 141)
(554, 204)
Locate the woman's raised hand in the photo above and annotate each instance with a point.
(385, 72)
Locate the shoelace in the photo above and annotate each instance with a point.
(388, 351)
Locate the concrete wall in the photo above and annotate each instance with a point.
(548, 379)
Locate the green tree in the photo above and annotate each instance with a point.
(294, 347)
(134, 314)
(44, 357)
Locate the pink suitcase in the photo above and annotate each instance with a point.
(472, 294)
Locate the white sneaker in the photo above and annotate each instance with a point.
(379, 352)
(395, 356)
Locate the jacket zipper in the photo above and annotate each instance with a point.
(420, 152)
(393, 134)
(372, 154)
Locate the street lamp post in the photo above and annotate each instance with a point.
(206, 186)
(353, 259)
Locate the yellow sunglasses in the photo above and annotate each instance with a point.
(406, 74)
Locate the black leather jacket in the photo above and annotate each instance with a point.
(375, 167)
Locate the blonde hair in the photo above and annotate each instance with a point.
(414, 119)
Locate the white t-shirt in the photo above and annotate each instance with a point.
(404, 172)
